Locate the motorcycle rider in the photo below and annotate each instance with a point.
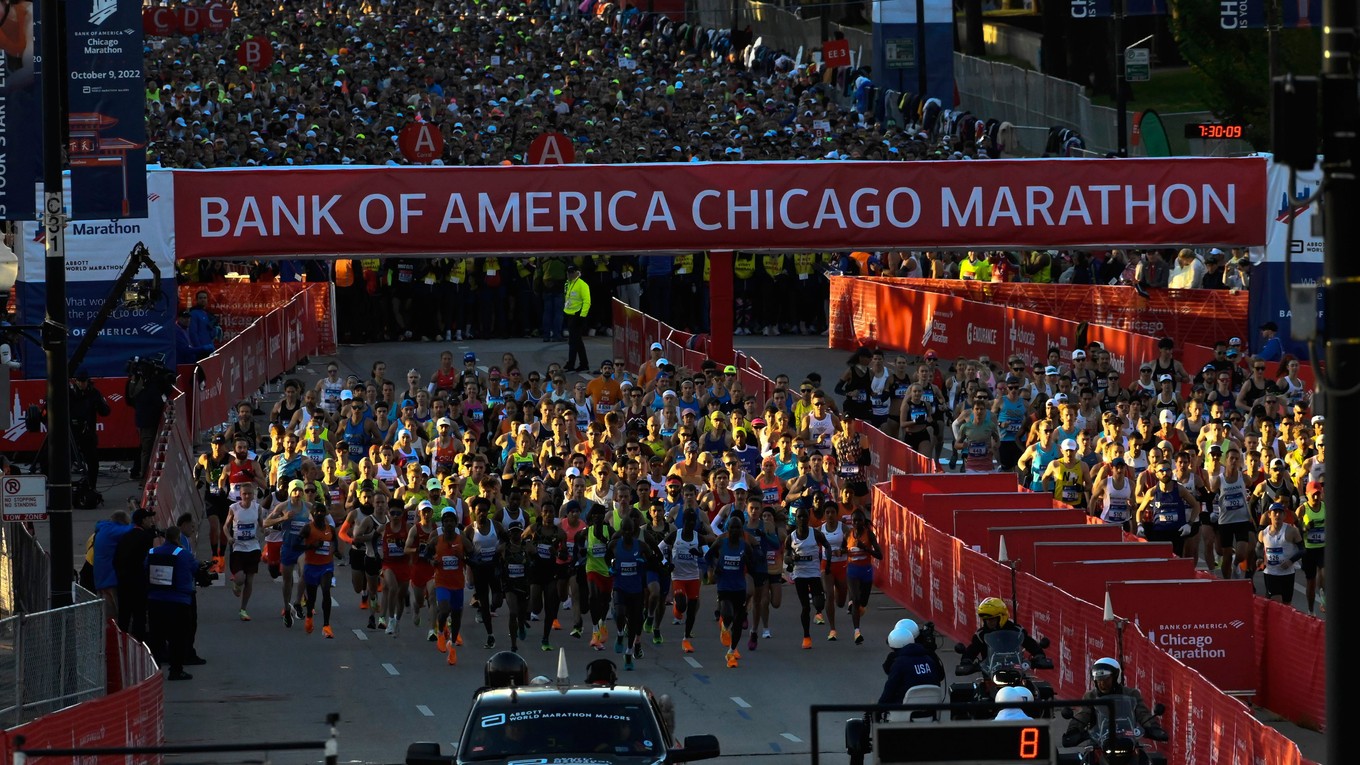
(909, 664)
(995, 615)
(1107, 680)
(1013, 693)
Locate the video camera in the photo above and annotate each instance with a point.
(150, 370)
(204, 576)
(928, 639)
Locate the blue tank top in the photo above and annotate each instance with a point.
(731, 569)
(1039, 464)
(315, 450)
(1168, 509)
(1012, 417)
(356, 435)
(628, 567)
(787, 471)
(713, 446)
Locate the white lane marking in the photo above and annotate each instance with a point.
(792, 738)
(693, 662)
(360, 634)
(335, 603)
(424, 710)
(739, 701)
(391, 670)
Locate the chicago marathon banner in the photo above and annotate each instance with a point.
(106, 97)
(96, 253)
(20, 109)
(776, 206)
(1104, 9)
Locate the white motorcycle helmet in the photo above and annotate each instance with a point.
(904, 634)
(1106, 667)
(1014, 693)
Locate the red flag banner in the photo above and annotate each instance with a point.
(782, 206)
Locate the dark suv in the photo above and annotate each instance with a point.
(535, 725)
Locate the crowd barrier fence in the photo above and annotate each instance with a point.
(238, 304)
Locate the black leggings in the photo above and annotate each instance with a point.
(810, 594)
(732, 606)
(546, 585)
(325, 586)
(487, 587)
(628, 614)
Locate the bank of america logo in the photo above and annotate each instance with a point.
(1237, 624)
(102, 10)
(152, 327)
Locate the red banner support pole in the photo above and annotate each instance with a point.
(720, 306)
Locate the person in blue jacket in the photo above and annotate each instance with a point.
(170, 572)
(910, 664)
(106, 536)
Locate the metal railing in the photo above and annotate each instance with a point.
(24, 567)
(52, 659)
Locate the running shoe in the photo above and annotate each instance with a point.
(236, 588)
(534, 617)
(363, 601)
(724, 634)
(647, 624)
(307, 625)
(656, 637)
(604, 632)
(458, 640)
(382, 624)
(431, 637)
(576, 632)
(618, 643)
(490, 642)
(523, 632)
(819, 619)
(453, 656)
(831, 635)
(546, 646)
(566, 604)
(372, 622)
(287, 617)
(751, 644)
(245, 617)
(557, 625)
(637, 650)
(328, 632)
(392, 628)
(686, 646)
(299, 609)
(628, 663)
(731, 659)
(807, 642)
(765, 634)
(859, 638)
(442, 641)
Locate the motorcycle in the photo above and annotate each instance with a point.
(1003, 665)
(1114, 739)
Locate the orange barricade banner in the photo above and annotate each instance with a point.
(1186, 316)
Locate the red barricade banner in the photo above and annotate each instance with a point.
(970, 526)
(133, 716)
(1047, 553)
(1207, 624)
(1292, 682)
(1086, 579)
(1029, 335)
(1187, 316)
(781, 206)
(237, 304)
(938, 509)
(117, 431)
(212, 401)
(275, 352)
(1020, 540)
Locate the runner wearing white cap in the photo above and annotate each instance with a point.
(1071, 479)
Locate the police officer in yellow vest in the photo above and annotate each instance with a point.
(576, 309)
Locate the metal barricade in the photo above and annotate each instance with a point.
(52, 659)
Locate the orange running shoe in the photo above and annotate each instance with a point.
(363, 602)
(557, 625)
(604, 632)
(328, 632)
(724, 634)
(308, 625)
(731, 659)
(442, 641)
(687, 646)
(458, 640)
(453, 656)
(807, 642)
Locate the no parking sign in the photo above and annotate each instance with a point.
(24, 497)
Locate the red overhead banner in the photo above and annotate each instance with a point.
(253, 212)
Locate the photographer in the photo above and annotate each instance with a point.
(170, 571)
(148, 385)
(87, 406)
(912, 662)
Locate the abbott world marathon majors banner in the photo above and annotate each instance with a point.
(790, 206)
(96, 253)
(1297, 243)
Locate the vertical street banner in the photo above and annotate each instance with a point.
(1298, 243)
(1244, 14)
(20, 109)
(1104, 9)
(106, 97)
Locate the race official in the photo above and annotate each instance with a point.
(169, 601)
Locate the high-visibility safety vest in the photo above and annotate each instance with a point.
(744, 265)
(684, 264)
(774, 264)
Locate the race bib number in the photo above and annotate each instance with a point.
(449, 562)
(977, 449)
(849, 470)
(1166, 518)
(1316, 536)
(771, 557)
(1118, 512)
(1234, 502)
(515, 570)
(245, 532)
(1012, 427)
(324, 548)
(1274, 556)
(395, 550)
(1070, 494)
(627, 568)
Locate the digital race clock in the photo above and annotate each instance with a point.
(1213, 131)
(993, 742)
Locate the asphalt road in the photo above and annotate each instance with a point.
(267, 683)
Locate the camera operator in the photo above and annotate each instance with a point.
(912, 662)
(148, 385)
(87, 406)
(170, 573)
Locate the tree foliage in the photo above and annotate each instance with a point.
(1236, 62)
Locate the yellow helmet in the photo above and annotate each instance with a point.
(994, 607)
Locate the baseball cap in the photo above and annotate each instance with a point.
(739, 485)
(1145, 367)
(1164, 445)
(573, 268)
(663, 362)
(296, 485)
(1236, 341)
(1232, 353)
(1050, 370)
(572, 472)
(932, 355)
(1313, 486)
(1078, 354)
(1164, 378)
(425, 504)
(469, 356)
(1317, 418)
(1118, 462)
(673, 479)
(758, 422)
(219, 439)
(346, 395)
(716, 417)
(433, 484)
(444, 421)
(656, 346)
(1277, 463)
(668, 394)
(1069, 445)
(1060, 398)
(447, 511)
(729, 370)
(1275, 507)
(1166, 416)
(140, 515)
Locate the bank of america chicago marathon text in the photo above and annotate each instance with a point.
(566, 212)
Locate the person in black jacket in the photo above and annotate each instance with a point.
(129, 560)
(910, 664)
(994, 615)
(87, 406)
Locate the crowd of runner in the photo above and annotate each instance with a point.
(603, 505)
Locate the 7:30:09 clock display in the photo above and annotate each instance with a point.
(1213, 131)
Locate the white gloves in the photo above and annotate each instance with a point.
(1185, 530)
